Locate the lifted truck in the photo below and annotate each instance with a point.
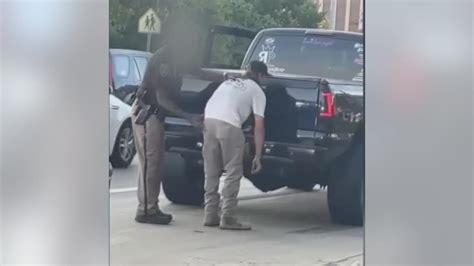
(321, 75)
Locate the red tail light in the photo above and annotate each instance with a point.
(328, 105)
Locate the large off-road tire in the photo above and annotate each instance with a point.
(183, 181)
(124, 148)
(346, 187)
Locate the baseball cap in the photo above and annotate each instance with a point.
(258, 67)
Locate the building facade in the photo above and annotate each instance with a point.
(343, 15)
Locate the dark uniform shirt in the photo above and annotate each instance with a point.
(161, 76)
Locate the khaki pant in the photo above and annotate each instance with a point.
(149, 141)
(223, 150)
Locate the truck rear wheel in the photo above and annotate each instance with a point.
(183, 181)
(346, 188)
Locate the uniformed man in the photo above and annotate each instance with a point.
(157, 96)
(229, 107)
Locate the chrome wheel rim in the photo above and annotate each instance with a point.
(126, 145)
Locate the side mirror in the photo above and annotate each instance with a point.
(111, 89)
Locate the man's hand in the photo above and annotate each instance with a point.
(196, 120)
(256, 165)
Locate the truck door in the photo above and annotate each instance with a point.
(226, 47)
(225, 51)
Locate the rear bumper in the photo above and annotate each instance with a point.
(287, 155)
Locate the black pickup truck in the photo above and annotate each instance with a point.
(314, 116)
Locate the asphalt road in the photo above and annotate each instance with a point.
(289, 228)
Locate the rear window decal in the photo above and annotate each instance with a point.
(267, 54)
(360, 52)
(359, 60)
(277, 69)
(318, 41)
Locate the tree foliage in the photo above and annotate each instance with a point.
(123, 23)
(252, 14)
(269, 13)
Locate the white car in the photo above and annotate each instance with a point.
(126, 70)
(121, 142)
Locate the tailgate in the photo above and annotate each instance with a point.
(305, 94)
(182, 138)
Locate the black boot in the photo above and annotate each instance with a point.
(154, 216)
(165, 214)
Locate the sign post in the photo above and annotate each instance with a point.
(150, 24)
(148, 42)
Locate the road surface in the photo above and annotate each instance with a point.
(290, 228)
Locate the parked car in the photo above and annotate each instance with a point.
(127, 70)
(321, 73)
(121, 141)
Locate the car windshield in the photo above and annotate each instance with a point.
(312, 55)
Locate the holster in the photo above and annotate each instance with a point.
(142, 113)
(142, 110)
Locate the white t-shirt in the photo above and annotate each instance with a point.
(234, 100)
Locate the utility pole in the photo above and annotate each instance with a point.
(332, 15)
(158, 6)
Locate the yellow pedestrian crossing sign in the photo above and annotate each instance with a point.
(149, 22)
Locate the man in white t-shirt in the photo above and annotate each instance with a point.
(228, 108)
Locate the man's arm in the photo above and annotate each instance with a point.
(259, 135)
(208, 74)
(160, 87)
(258, 107)
(168, 104)
(259, 138)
